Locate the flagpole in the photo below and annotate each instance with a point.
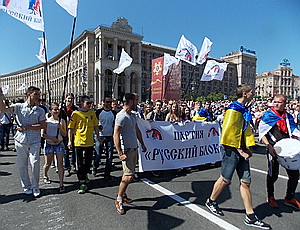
(68, 63)
(113, 88)
(188, 84)
(46, 77)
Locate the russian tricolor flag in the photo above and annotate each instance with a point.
(269, 119)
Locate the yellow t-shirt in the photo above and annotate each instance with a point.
(83, 124)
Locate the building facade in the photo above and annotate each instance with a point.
(280, 81)
(95, 54)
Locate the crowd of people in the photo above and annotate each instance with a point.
(76, 137)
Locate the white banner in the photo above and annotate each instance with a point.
(125, 61)
(214, 71)
(42, 53)
(168, 61)
(5, 89)
(205, 49)
(186, 51)
(173, 146)
(69, 5)
(29, 12)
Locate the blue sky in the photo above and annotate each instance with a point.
(270, 27)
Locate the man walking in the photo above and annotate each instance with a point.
(275, 125)
(126, 127)
(236, 138)
(106, 117)
(30, 120)
(81, 126)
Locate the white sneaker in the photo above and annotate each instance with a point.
(27, 191)
(36, 192)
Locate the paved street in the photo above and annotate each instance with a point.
(156, 204)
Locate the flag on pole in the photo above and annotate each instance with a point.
(214, 71)
(42, 54)
(168, 61)
(205, 49)
(125, 61)
(5, 89)
(186, 51)
(69, 5)
(23, 86)
(27, 11)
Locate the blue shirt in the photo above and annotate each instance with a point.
(28, 116)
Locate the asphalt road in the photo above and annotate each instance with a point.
(171, 201)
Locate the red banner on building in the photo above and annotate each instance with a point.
(157, 79)
(165, 87)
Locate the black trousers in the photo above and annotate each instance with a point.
(273, 172)
(84, 156)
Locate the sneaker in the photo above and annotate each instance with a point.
(272, 202)
(119, 207)
(256, 223)
(36, 192)
(214, 208)
(292, 203)
(82, 189)
(28, 191)
(126, 199)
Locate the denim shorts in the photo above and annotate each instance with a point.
(56, 149)
(232, 161)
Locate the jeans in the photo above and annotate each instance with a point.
(67, 155)
(273, 172)
(109, 144)
(4, 135)
(84, 157)
(232, 161)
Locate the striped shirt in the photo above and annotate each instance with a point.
(28, 116)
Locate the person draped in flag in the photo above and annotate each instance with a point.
(275, 125)
(236, 139)
(205, 112)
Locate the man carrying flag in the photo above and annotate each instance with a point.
(275, 125)
(236, 138)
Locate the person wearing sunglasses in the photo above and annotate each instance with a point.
(106, 117)
(81, 127)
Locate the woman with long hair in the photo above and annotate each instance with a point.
(54, 132)
(174, 114)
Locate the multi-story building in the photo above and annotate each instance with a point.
(95, 54)
(280, 81)
(245, 65)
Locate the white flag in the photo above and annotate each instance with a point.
(23, 86)
(125, 61)
(29, 12)
(186, 51)
(69, 5)
(5, 89)
(168, 61)
(214, 70)
(42, 53)
(205, 49)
